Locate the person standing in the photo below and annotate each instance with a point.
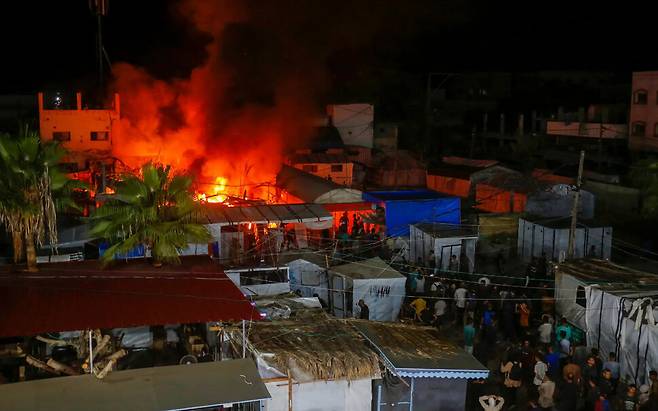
(546, 392)
(524, 317)
(492, 402)
(545, 330)
(439, 311)
(365, 310)
(564, 326)
(541, 368)
(460, 304)
(469, 336)
(613, 366)
(513, 371)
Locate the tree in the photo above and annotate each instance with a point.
(644, 175)
(155, 209)
(32, 188)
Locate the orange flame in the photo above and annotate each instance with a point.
(196, 125)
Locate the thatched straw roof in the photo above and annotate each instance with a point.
(325, 349)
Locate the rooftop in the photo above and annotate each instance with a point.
(370, 268)
(174, 387)
(614, 278)
(327, 349)
(319, 158)
(402, 195)
(263, 214)
(80, 295)
(440, 230)
(415, 351)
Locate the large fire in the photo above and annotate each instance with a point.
(195, 125)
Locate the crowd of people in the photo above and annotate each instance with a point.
(538, 362)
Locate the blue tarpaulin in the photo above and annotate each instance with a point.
(403, 208)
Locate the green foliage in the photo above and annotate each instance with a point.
(155, 209)
(644, 175)
(32, 188)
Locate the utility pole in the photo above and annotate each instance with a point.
(574, 209)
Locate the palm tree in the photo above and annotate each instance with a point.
(156, 210)
(32, 188)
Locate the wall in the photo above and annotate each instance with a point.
(430, 394)
(338, 395)
(80, 123)
(648, 113)
(309, 279)
(498, 200)
(449, 185)
(343, 177)
(535, 239)
(354, 123)
(605, 131)
(613, 198)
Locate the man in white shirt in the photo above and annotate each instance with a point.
(439, 311)
(460, 304)
(545, 331)
(540, 370)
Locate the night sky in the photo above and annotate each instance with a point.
(51, 44)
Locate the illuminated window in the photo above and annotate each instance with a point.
(62, 135)
(336, 168)
(638, 129)
(100, 135)
(310, 168)
(640, 97)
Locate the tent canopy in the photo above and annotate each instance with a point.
(177, 387)
(371, 268)
(314, 189)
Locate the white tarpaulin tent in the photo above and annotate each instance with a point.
(552, 238)
(379, 285)
(445, 240)
(599, 297)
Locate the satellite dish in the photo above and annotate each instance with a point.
(188, 359)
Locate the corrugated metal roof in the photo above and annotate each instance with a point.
(263, 214)
(177, 387)
(80, 295)
(414, 351)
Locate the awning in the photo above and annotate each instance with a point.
(80, 295)
(177, 387)
(264, 214)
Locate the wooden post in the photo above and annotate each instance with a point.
(574, 209)
(289, 391)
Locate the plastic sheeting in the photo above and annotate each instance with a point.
(534, 239)
(429, 394)
(402, 209)
(338, 395)
(609, 329)
(566, 290)
(558, 201)
(308, 278)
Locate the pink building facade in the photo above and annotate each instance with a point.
(643, 124)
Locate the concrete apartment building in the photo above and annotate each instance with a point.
(643, 124)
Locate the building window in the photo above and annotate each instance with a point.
(310, 168)
(100, 135)
(336, 168)
(638, 129)
(62, 135)
(640, 97)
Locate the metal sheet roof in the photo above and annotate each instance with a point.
(263, 214)
(413, 351)
(177, 387)
(80, 295)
